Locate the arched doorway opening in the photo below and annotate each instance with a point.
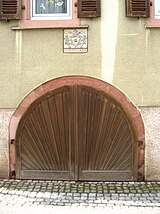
(77, 128)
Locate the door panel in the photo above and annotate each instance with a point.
(45, 138)
(105, 139)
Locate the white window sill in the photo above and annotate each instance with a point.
(151, 26)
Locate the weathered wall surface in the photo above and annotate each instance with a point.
(5, 116)
(151, 117)
(29, 58)
(130, 54)
(120, 51)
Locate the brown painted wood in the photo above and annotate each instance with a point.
(105, 138)
(138, 8)
(75, 133)
(44, 138)
(89, 8)
(10, 9)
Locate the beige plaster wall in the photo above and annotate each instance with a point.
(130, 54)
(121, 51)
(29, 58)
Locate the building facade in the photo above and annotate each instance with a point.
(120, 50)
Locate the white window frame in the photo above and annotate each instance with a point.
(54, 16)
(157, 9)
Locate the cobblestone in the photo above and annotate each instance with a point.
(127, 195)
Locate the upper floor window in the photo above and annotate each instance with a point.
(149, 9)
(157, 9)
(51, 9)
(154, 19)
(49, 13)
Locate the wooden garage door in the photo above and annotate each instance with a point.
(105, 140)
(75, 133)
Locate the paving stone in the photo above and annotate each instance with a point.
(100, 195)
(91, 194)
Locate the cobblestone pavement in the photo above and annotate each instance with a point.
(29, 196)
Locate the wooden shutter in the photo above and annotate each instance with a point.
(89, 8)
(137, 8)
(10, 9)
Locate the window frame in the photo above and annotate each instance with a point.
(53, 16)
(60, 22)
(157, 14)
(153, 21)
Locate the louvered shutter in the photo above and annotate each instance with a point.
(10, 9)
(137, 8)
(89, 8)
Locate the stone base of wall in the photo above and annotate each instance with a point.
(5, 115)
(150, 115)
(151, 118)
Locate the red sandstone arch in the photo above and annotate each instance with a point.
(131, 111)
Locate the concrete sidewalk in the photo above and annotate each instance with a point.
(28, 196)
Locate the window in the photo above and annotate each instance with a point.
(49, 13)
(157, 9)
(154, 20)
(149, 9)
(51, 9)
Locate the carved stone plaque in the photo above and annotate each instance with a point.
(76, 40)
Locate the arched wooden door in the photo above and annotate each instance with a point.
(76, 132)
(106, 144)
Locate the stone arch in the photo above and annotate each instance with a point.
(132, 112)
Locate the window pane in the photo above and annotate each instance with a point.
(50, 6)
(157, 7)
